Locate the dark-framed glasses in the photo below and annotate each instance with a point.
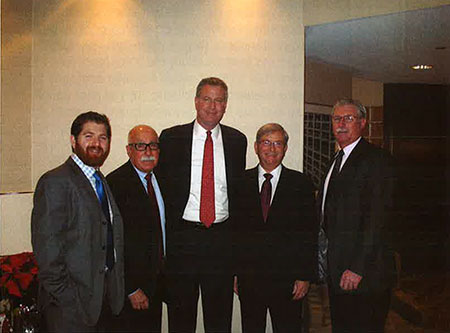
(141, 146)
(268, 143)
(347, 118)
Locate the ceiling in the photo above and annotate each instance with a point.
(382, 48)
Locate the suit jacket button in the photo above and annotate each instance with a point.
(103, 247)
(104, 222)
(101, 271)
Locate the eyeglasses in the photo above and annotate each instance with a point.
(268, 143)
(141, 146)
(347, 118)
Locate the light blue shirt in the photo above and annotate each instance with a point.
(159, 199)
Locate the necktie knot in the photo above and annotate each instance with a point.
(268, 176)
(97, 176)
(148, 177)
(99, 186)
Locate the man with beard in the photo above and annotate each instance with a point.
(137, 193)
(77, 235)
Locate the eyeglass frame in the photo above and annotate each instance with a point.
(275, 144)
(152, 145)
(348, 118)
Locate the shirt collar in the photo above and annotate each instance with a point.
(140, 173)
(275, 172)
(87, 170)
(199, 131)
(348, 149)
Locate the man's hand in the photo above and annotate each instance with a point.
(300, 289)
(139, 301)
(350, 280)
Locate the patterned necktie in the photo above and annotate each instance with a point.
(155, 219)
(207, 198)
(266, 195)
(105, 208)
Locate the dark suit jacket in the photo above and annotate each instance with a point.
(284, 248)
(69, 242)
(141, 243)
(361, 212)
(175, 167)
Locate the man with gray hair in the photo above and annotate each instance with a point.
(355, 207)
(276, 238)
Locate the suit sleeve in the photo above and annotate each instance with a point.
(49, 220)
(311, 232)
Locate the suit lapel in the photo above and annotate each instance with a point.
(346, 169)
(136, 185)
(185, 153)
(349, 165)
(282, 183)
(254, 202)
(227, 151)
(81, 180)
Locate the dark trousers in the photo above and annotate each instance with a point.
(359, 313)
(149, 320)
(256, 299)
(199, 261)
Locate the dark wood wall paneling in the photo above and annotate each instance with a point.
(416, 132)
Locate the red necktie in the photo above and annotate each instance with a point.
(207, 199)
(155, 219)
(266, 195)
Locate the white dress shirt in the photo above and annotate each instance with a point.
(192, 210)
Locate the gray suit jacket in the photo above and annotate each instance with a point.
(69, 242)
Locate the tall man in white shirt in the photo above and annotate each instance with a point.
(200, 164)
(139, 198)
(356, 207)
(276, 238)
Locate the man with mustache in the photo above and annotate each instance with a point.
(137, 193)
(356, 208)
(77, 235)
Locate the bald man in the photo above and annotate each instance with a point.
(137, 193)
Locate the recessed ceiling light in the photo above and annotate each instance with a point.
(422, 67)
